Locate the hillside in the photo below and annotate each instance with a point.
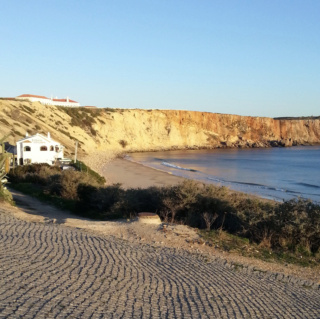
(131, 130)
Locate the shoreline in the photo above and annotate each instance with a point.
(132, 174)
(258, 187)
(118, 169)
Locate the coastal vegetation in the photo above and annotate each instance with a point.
(234, 221)
(4, 170)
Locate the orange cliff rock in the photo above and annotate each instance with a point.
(147, 130)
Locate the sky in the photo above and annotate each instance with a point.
(256, 58)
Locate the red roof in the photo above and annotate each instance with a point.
(90, 106)
(31, 95)
(64, 100)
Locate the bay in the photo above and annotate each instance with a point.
(276, 173)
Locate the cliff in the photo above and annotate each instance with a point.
(144, 130)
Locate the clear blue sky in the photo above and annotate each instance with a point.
(259, 58)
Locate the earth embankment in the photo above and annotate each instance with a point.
(128, 130)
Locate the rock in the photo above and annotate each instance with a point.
(285, 142)
(274, 143)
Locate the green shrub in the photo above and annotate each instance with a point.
(4, 121)
(81, 166)
(81, 117)
(99, 202)
(137, 200)
(123, 143)
(16, 132)
(36, 173)
(5, 195)
(66, 183)
(292, 226)
(27, 109)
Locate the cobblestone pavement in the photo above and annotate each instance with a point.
(52, 271)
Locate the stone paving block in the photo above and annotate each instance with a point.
(51, 271)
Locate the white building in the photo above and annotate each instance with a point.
(46, 101)
(38, 149)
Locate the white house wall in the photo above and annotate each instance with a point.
(35, 155)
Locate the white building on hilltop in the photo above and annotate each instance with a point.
(46, 101)
(38, 149)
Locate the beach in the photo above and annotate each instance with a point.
(133, 175)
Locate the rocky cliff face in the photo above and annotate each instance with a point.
(145, 130)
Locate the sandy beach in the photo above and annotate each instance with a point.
(133, 175)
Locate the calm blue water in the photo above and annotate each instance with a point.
(277, 173)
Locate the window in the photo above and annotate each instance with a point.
(43, 148)
(27, 149)
(51, 148)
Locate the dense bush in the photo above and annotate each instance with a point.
(84, 168)
(36, 174)
(66, 183)
(53, 180)
(99, 202)
(293, 225)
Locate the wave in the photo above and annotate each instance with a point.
(309, 185)
(260, 186)
(214, 179)
(295, 194)
(178, 167)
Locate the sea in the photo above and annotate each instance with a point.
(273, 173)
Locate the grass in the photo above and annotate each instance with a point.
(66, 133)
(224, 241)
(4, 121)
(123, 143)
(84, 168)
(15, 132)
(27, 109)
(82, 117)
